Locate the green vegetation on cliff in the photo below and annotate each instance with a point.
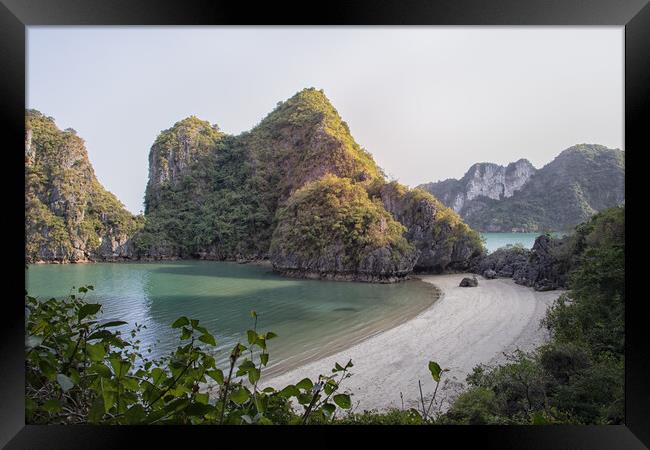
(331, 225)
(69, 216)
(442, 239)
(217, 196)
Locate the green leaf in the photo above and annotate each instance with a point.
(53, 405)
(305, 383)
(208, 339)
(111, 323)
(88, 310)
(65, 382)
(108, 394)
(337, 367)
(186, 334)
(289, 391)
(253, 314)
(270, 335)
(96, 412)
(240, 396)
(181, 321)
(343, 400)
(435, 370)
(216, 375)
(96, 352)
(261, 403)
(264, 358)
(329, 409)
(265, 421)
(101, 334)
(252, 336)
(135, 414)
(304, 399)
(254, 375)
(198, 409)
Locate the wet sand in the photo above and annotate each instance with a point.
(463, 328)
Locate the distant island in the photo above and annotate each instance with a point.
(579, 182)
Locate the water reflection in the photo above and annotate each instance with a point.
(309, 316)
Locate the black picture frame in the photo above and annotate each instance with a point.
(16, 15)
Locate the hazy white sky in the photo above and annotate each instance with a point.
(427, 102)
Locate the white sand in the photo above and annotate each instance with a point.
(465, 327)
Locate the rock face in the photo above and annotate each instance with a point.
(544, 267)
(296, 189)
(443, 241)
(490, 274)
(468, 282)
(548, 265)
(331, 229)
(580, 181)
(69, 216)
(231, 187)
(482, 180)
(504, 262)
(215, 196)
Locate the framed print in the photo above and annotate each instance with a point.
(387, 218)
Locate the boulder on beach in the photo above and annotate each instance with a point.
(468, 282)
(490, 274)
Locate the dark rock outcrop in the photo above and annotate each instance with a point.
(490, 274)
(505, 262)
(548, 265)
(545, 267)
(443, 240)
(468, 282)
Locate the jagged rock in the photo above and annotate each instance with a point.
(69, 216)
(441, 237)
(490, 274)
(580, 181)
(330, 229)
(302, 141)
(505, 262)
(482, 180)
(544, 267)
(548, 264)
(468, 282)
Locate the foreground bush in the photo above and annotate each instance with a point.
(78, 370)
(578, 376)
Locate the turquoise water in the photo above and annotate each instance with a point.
(312, 318)
(494, 241)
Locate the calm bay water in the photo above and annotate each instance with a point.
(312, 318)
(494, 241)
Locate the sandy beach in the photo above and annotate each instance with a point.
(465, 327)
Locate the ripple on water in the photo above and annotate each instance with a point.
(311, 318)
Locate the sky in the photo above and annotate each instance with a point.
(427, 102)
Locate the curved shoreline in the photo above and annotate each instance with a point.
(463, 328)
(349, 340)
